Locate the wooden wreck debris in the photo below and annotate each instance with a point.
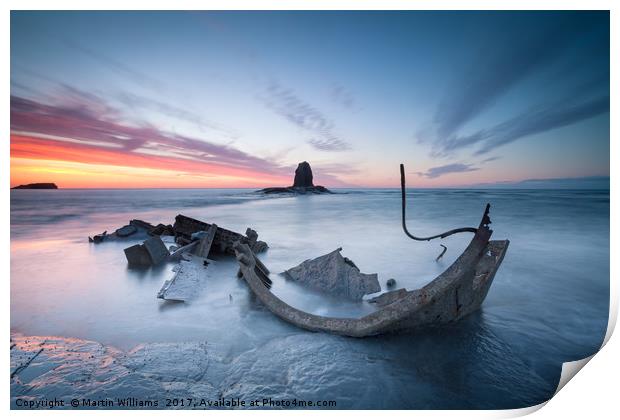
(177, 253)
(152, 252)
(137, 255)
(134, 227)
(182, 230)
(157, 249)
(204, 245)
(458, 291)
(161, 230)
(126, 230)
(334, 274)
(141, 224)
(260, 270)
(186, 281)
(190, 271)
(255, 245)
(98, 238)
(223, 240)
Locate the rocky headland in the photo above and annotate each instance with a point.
(37, 186)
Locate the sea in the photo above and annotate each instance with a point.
(548, 304)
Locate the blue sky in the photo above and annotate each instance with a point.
(460, 97)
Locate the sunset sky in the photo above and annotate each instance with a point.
(237, 99)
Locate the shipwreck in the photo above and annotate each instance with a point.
(455, 293)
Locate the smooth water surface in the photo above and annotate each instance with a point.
(548, 304)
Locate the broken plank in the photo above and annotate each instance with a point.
(186, 281)
(176, 254)
(204, 246)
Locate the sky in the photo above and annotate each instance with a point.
(236, 99)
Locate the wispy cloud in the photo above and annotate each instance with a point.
(533, 121)
(88, 120)
(438, 171)
(120, 68)
(490, 159)
(343, 97)
(286, 103)
(497, 70)
(329, 143)
(137, 101)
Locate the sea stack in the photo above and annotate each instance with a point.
(302, 183)
(303, 176)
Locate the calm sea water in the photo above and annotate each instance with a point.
(548, 304)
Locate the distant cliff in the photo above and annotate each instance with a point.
(37, 186)
(302, 184)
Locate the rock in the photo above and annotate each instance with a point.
(37, 186)
(303, 176)
(156, 249)
(296, 190)
(138, 255)
(126, 230)
(67, 368)
(302, 183)
(333, 274)
(390, 283)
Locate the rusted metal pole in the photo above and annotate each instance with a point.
(404, 206)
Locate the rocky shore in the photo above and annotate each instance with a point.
(47, 370)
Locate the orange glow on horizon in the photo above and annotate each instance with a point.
(71, 165)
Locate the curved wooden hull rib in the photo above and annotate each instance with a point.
(458, 291)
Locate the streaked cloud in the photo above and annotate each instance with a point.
(496, 70)
(533, 121)
(286, 103)
(137, 77)
(329, 143)
(490, 159)
(343, 97)
(451, 168)
(138, 101)
(94, 130)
